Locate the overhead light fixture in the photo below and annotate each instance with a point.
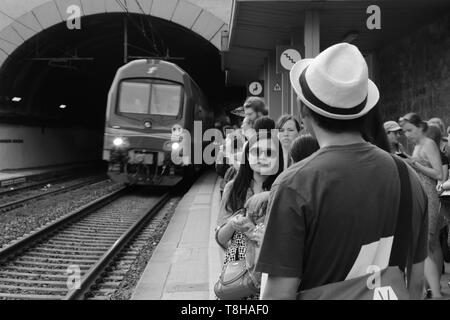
(63, 106)
(224, 40)
(350, 36)
(227, 76)
(17, 99)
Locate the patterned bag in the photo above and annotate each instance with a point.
(238, 278)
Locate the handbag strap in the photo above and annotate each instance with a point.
(401, 253)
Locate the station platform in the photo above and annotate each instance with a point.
(16, 176)
(187, 261)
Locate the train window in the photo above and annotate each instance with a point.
(150, 97)
(134, 97)
(165, 99)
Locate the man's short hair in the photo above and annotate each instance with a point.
(337, 126)
(257, 104)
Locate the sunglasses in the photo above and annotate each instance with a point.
(257, 152)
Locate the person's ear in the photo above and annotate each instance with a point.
(303, 109)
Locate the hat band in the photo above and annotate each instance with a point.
(311, 97)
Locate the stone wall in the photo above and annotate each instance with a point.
(414, 73)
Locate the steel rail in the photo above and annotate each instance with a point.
(95, 272)
(40, 183)
(43, 233)
(14, 203)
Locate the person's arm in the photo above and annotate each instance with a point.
(280, 288)
(416, 276)
(282, 250)
(227, 222)
(446, 185)
(434, 157)
(445, 173)
(225, 232)
(416, 281)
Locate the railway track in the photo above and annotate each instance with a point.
(64, 259)
(8, 204)
(14, 189)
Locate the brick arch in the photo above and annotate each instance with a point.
(53, 12)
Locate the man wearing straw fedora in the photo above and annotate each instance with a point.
(350, 221)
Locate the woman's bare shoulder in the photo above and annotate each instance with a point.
(429, 143)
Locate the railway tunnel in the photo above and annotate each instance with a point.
(54, 84)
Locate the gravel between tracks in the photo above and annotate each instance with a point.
(158, 227)
(21, 221)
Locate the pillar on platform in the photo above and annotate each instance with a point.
(312, 34)
(274, 87)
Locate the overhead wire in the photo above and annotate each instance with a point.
(125, 9)
(153, 30)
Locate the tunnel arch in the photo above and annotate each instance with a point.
(53, 12)
(195, 27)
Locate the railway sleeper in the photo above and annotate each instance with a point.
(71, 249)
(25, 282)
(41, 271)
(71, 245)
(83, 241)
(33, 289)
(14, 296)
(88, 238)
(76, 230)
(52, 260)
(74, 252)
(60, 256)
(50, 264)
(32, 276)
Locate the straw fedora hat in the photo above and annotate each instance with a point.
(335, 84)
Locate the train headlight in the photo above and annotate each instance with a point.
(175, 146)
(171, 146)
(118, 142)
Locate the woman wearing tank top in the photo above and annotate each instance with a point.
(427, 163)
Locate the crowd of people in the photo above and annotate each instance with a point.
(314, 207)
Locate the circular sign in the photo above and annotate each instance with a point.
(255, 88)
(289, 57)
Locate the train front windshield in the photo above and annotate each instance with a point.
(158, 98)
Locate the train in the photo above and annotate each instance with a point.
(151, 108)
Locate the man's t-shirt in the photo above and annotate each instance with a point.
(333, 214)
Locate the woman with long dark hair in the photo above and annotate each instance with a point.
(261, 164)
(426, 160)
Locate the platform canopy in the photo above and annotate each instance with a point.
(258, 26)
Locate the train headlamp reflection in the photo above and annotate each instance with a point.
(118, 142)
(175, 146)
